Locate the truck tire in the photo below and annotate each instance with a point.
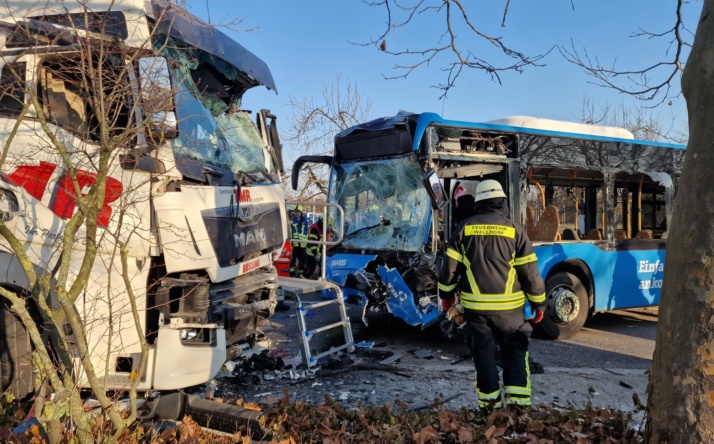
(15, 354)
(567, 306)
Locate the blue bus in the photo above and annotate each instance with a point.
(596, 203)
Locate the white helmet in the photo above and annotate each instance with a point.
(488, 189)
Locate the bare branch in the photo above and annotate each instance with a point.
(651, 83)
(452, 54)
(315, 122)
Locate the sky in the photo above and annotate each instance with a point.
(307, 44)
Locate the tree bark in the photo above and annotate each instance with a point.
(681, 387)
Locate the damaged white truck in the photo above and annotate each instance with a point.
(193, 207)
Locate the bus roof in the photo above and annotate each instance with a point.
(563, 126)
(536, 126)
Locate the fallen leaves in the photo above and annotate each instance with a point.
(331, 423)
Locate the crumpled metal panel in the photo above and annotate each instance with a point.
(401, 300)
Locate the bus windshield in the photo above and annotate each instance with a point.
(376, 191)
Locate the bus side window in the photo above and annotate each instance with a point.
(563, 204)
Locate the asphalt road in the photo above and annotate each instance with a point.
(618, 339)
(603, 365)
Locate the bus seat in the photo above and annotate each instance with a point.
(620, 234)
(570, 234)
(594, 234)
(644, 234)
(546, 230)
(530, 222)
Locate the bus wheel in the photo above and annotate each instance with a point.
(566, 306)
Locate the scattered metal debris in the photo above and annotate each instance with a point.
(423, 354)
(389, 360)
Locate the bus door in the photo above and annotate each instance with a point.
(642, 208)
(448, 190)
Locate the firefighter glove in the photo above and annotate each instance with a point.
(456, 314)
(538, 316)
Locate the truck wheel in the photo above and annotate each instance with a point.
(15, 354)
(567, 306)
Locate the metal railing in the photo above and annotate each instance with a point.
(324, 243)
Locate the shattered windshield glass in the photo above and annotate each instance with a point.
(207, 131)
(374, 191)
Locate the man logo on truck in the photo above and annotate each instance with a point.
(249, 237)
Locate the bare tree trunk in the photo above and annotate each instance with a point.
(681, 388)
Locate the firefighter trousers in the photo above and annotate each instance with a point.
(297, 261)
(511, 332)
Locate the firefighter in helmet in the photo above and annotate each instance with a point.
(298, 234)
(491, 262)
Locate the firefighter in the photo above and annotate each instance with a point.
(313, 250)
(464, 205)
(490, 261)
(298, 232)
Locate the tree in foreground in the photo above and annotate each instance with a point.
(681, 390)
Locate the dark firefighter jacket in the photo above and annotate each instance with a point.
(315, 234)
(299, 231)
(496, 263)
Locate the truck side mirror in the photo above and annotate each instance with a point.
(157, 98)
(436, 191)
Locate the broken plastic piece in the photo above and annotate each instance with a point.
(423, 354)
(390, 359)
(365, 344)
(328, 294)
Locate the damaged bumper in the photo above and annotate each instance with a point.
(380, 288)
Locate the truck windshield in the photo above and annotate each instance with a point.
(375, 191)
(207, 132)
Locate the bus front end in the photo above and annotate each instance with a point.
(386, 261)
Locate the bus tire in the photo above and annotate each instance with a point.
(567, 306)
(15, 352)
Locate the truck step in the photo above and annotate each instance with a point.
(225, 417)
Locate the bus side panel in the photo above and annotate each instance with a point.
(637, 281)
(621, 278)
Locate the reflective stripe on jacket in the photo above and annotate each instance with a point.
(491, 261)
(299, 232)
(314, 235)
